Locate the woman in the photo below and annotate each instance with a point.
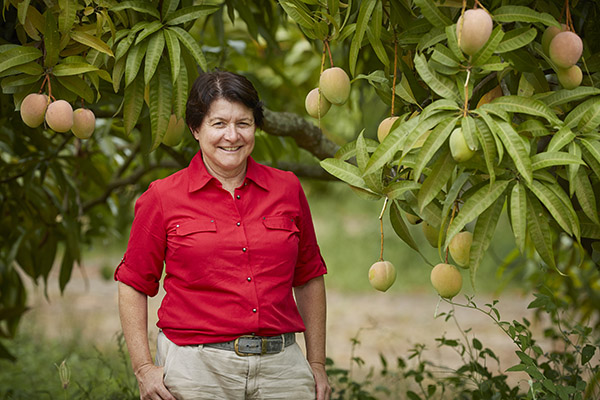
(235, 237)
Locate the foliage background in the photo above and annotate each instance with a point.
(131, 62)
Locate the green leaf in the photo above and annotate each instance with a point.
(431, 38)
(441, 171)
(515, 148)
(432, 13)
(565, 96)
(518, 215)
(174, 53)
(141, 6)
(156, 44)
(66, 17)
(587, 353)
(523, 14)
(168, 7)
(453, 42)
(539, 230)
(443, 55)
(193, 47)
(391, 144)
(590, 120)
(126, 43)
(560, 139)
(482, 235)
(22, 8)
(133, 102)
(453, 194)
(552, 158)
(474, 206)
(401, 229)
(516, 38)
(488, 145)
(377, 45)
(148, 30)
(18, 80)
(576, 114)
(191, 14)
(161, 95)
(117, 73)
(77, 86)
(298, 12)
(362, 22)
(373, 180)
(134, 61)
(431, 213)
(18, 56)
(525, 105)
(91, 41)
(441, 85)
(553, 204)
(180, 92)
(468, 129)
(585, 195)
(51, 39)
(397, 189)
(404, 90)
(484, 54)
(344, 171)
(593, 149)
(438, 136)
(73, 69)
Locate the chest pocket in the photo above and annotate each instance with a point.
(198, 225)
(280, 222)
(193, 233)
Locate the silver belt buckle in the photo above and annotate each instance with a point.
(263, 346)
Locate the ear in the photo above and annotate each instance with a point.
(195, 133)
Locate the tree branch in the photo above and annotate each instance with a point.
(306, 135)
(132, 178)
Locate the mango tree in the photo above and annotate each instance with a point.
(476, 127)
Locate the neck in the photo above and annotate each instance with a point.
(230, 180)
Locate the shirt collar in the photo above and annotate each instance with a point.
(199, 176)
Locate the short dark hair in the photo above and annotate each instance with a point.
(211, 86)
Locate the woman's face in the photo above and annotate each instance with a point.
(226, 137)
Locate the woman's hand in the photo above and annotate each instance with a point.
(321, 381)
(150, 381)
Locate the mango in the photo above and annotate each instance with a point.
(316, 105)
(84, 123)
(33, 109)
(335, 85)
(473, 30)
(446, 280)
(59, 116)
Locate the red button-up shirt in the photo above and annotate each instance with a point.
(230, 262)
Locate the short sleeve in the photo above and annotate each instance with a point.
(310, 263)
(142, 265)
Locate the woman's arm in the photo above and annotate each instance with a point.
(133, 310)
(310, 298)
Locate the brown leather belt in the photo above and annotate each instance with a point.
(249, 345)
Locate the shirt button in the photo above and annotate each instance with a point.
(243, 249)
(239, 223)
(238, 197)
(249, 279)
(254, 310)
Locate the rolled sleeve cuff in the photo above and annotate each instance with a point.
(129, 276)
(316, 267)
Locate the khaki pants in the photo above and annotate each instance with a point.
(198, 372)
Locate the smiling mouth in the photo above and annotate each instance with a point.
(231, 148)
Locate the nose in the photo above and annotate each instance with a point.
(231, 133)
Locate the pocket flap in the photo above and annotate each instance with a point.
(282, 222)
(197, 225)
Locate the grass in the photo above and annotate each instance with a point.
(88, 372)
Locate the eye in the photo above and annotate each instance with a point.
(219, 124)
